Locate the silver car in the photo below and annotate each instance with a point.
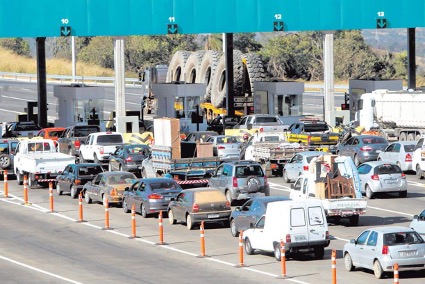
(299, 165)
(379, 176)
(226, 146)
(400, 153)
(362, 148)
(380, 248)
(418, 223)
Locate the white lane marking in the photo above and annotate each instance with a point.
(39, 270)
(12, 111)
(390, 211)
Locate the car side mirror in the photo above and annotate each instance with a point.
(172, 199)
(249, 126)
(292, 186)
(251, 225)
(238, 209)
(415, 217)
(353, 241)
(311, 195)
(127, 189)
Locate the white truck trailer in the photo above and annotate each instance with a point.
(398, 115)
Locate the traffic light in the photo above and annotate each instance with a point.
(345, 106)
(144, 102)
(346, 98)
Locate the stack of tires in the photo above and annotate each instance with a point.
(208, 67)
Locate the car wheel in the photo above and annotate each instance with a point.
(354, 220)
(248, 247)
(402, 194)
(143, 211)
(87, 197)
(377, 269)
(277, 251)
(125, 206)
(95, 159)
(233, 228)
(19, 179)
(58, 189)
(189, 222)
(229, 196)
(171, 219)
(319, 252)
(285, 177)
(419, 172)
(121, 168)
(70, 152)
(74, 192)
(4, 161)
(369, 192)
(356, 161)
(348, 262)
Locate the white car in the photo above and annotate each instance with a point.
(418, 163)
(400, 153)
(298, 165)
(418, 223)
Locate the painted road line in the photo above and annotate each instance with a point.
(39, 270)
(391, 211)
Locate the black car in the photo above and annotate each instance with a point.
(220, 123)
(129, 158)
(75, 176)
(7, 148)
(250, 212)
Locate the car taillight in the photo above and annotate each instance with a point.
(113, 191)
(366, 148)
(227, 205)
(155, 196)
(77, 144)
(288, 238)
(101, 150)
(261, 129)
(408, 158)
(403, 175)
(235, 182)
(308, 139)
(274, 166)
(221, 147)
(77, 182)
(266, 181)
(375, 177)
(195, 208)
(305, 168)
(385, 250)
(129, 159)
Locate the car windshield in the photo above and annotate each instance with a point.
(27, 127)
(121, 179)
(164, 186)
(209, 196)
(315, 127)
(387, 169)
(109, 138)
(89, 171)
(402, 238)
(409, 148)
(374, 140)
(251, 170)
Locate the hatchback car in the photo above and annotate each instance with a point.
(75, 176)
(51, 133)
(379, 176)
(418, 223)
(225, 146)
(250, 212)
(298, 165)
(7, 152)
(380, 248)
(108, 185)
(400, 152)
(362, 148)
(128, 158)
(150, 195)
(199, 204)
(240, 180)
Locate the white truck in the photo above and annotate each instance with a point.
(335, 182)
(418, 158)
(39, 161)
(254, 123)
(397, 115)
(99, 146)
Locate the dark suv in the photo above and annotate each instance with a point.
(7, 148)
(240, 180)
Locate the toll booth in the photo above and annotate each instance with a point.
(359, 87)
(181, 100)
(283, 98)
(79, 104)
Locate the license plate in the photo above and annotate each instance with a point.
(300, 238)
(391, 181)
(167, 198)
(407, 253)
(213, 216)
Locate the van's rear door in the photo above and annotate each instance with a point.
(298, 223)
(317, 224)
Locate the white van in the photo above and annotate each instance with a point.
(301, 225)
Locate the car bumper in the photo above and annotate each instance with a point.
(156, 207)
(367, 157)
(378, 186)
(403, 264)
(211, 217)
(306, 245)
(115, 199)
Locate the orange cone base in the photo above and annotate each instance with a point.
(26, 204)
(80, 221)
(107, 229)
(241, 266)
(283, 277)
(54, 211)
(203, 256)
(136, 237)
(162, 244)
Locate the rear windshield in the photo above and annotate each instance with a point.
(121, 179)
(271, 139)
(4, 148)
(56, 133)
(89, 171)
(387, 169)
(251, 170)
(109, 138)
(164, 186)
(267, 120)
(137, 150)
(374, 140)
(228, 139)
(315, 127)
(409, 148)
(209, 196)
(403, 238)
(27, 127)
(83, 132)
(310, 158)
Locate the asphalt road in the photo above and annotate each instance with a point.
(55, 249)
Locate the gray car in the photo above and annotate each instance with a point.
(378, 176)
(225, 146)
(240, 180)
(380, 248)
(362, 148)
(150, 195)
(400, 152)
(298, 165)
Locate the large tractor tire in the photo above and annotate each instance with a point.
(207, 69)
(176, 68)
(255, 71)
(218, 91)
(193, 65)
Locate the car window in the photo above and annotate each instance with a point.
(97, 179)
(373, 239)
(121, 179)
(181, 197)
(409, 148)
(71, 170)
(397, 148)
(251, 170)
(55, 133)
(387, 169)
(374, 140)
(266, 119)
(402, 238)
(208, 196)
(246, 206)
(109, 138)
(350, 141)
(361, 240)
(390, 148)
(89, 170)
(355, 141)
(310, 158)
(419, 144)
(255, 206)
(364, 169)
(260, 223)
(297, 217)
(4, 148)
(219, 171)
(227, 170)
(159, 186)
(103, 180)
(315, 127)
(315, 216)
(297, 185)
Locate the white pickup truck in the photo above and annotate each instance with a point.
(39, 161)
(337, 185)
(99, 146)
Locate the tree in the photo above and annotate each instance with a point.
(246, 43)
(100, 51)
(16, 45)
(61, 46)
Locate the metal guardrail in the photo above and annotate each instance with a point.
(111, 80)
